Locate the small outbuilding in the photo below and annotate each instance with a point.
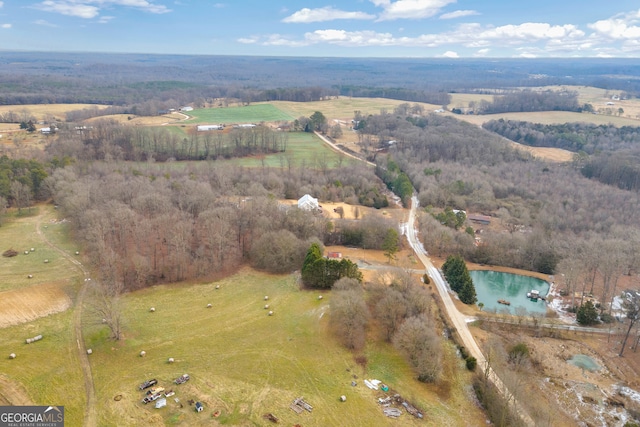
(308, 203)
(199, 407)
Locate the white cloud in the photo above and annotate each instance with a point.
(105, 19)
(248, 40)
(45, 23)
(91, 8)
(619, 27)
(1, 3)
(69, 9)
(482, 52)
(328, 13)
(450, 54)
(459, 14)
(5, 26)
(409, 9)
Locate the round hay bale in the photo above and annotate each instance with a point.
(29, 276)
(271, 313)
(266, 306)
(209, 305)
(12, 356)
(33, 249)
(89, 351)
(117, 397)
(104, 320)
(26, 252)
(152, 309)
(343, 398)
(46, 261)
(319, 296)
(143, 353)
(77, 253)
(217, 286)
(170, 360)
(266, 297)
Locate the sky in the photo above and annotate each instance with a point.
(322, 28)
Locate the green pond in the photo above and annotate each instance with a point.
(585, 362)
(492, 286)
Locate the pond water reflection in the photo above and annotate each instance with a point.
(494, 286)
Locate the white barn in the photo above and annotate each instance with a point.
(308, 203)
(205, 128)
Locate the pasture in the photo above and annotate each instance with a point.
(245, 363)
(343, 108)
(256, 113)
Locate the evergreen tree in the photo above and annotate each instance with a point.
(587, 314)
(457, 275)
(467, 293)
(390, 244)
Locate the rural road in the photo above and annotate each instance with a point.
(90, 416)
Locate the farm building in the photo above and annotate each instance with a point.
(186, 108)
(199, 407)
(479, 219)
(308, 203)
(206, 128)
(334, 255)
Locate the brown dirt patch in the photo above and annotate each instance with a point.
(27, 304)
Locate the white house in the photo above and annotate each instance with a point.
(308, 203)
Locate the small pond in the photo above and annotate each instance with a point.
(584, 362)
(494, 286)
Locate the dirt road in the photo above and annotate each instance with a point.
(90, 416)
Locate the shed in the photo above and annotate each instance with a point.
(480, 219)
(199, 407)
(186, 108)
(308, 203)
(205, 128)
(334, 255)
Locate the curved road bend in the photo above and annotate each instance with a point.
(90, 419)
(457, 318)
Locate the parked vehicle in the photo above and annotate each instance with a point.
(151, 398)
(182, 379)
(148, 384)
(154, 390)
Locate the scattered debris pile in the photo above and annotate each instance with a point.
(300, 405)
(270, 417)
(393, 405)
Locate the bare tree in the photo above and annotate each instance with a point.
(631, 307)
(349, 318)
(106, 304)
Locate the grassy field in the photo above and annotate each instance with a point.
(48, 370)
(246, 363)
(256, 113)
(43, 111)
(343, 108)
(551, 117)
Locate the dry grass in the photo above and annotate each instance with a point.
(45, 111)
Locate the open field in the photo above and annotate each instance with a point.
(46, 372)
(343, 108)
(255, 113)
(246, 363)
(46, 111)
(550, 117)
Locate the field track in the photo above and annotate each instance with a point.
(90, 415)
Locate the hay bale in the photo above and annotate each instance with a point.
(89, 351)
(29, 276)
(217, 286)
(209, 305)
(319, 296)
(343, 398)
(266, 297)
(77, 253)
(46, 261)
(26, 252)
(152, 309)
(33, 249)
(266, 306)
(12, 356)
(170, 360)
(143, 353)
(271, 313)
